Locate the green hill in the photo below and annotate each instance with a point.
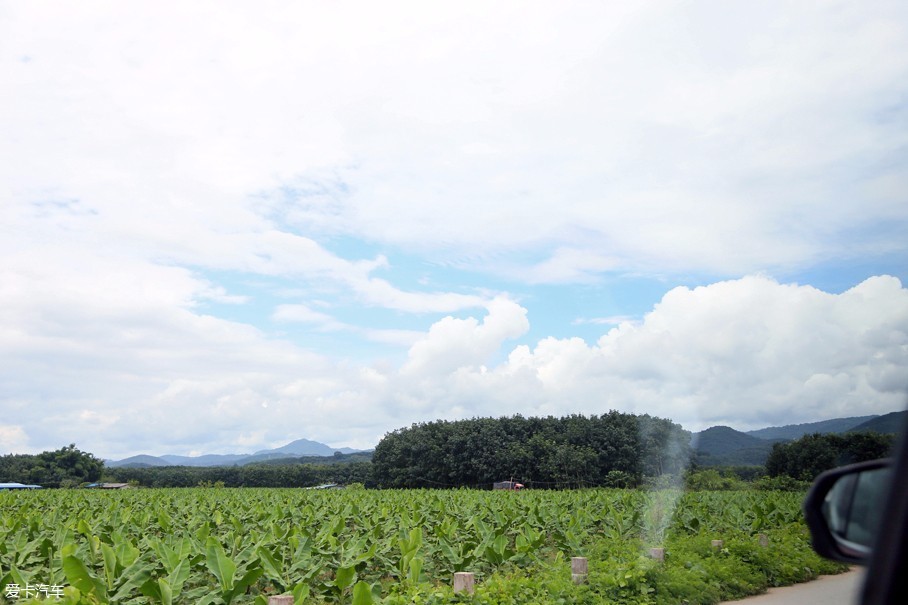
(140, 461)
(724, 446)
(796, 431)
(892, 423)
(337, 458)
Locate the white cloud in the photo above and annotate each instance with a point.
(302, 313)
(455, 343)
(572, 265)
(381, 293)
(612, 320)
(748, 352)
(607, 138)
(14, 440)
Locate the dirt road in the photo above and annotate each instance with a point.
(842, 589)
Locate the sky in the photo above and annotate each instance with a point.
(228, 225)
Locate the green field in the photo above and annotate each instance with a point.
(201, 545)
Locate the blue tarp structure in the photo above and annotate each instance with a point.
(18, 486)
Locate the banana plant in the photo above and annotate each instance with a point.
(233, 580)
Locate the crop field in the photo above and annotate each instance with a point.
(210, 545)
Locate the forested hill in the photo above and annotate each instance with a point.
(722, 445)
(725, 440)
(796, 431)
(611, 449)
(891, 424)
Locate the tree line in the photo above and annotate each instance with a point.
(611, 450)
(250, 475)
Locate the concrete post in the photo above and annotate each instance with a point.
(579, 569)
(463, 582)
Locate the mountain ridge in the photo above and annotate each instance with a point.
(796, 431)
(893, 422)
(295, 449)
(725, 446)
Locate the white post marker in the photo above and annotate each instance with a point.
(579, 569)
(463, 582)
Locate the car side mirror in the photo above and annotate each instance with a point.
(844, 508)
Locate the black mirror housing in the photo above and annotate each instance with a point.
(843, 510)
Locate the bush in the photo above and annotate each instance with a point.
(712, 480)
(619, 479)
(782, 483)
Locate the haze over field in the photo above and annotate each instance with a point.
(226, 226)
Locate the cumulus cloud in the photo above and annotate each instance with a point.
(748, 352)
(13, 440)
(453, 343)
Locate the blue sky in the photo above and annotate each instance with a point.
(327, 222)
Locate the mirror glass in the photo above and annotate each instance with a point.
(853, 507)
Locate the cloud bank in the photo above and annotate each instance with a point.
(564, 141)
(749, 352)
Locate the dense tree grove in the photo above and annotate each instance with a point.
(807, 457)
(612, 449)
(66, 467)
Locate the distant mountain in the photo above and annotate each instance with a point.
(204, 460)
(140, 461)
(335, 459)
(291, 451)
(891, 423)
(305, 447)
(722, 445)
(723, 440)
(796, 431)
